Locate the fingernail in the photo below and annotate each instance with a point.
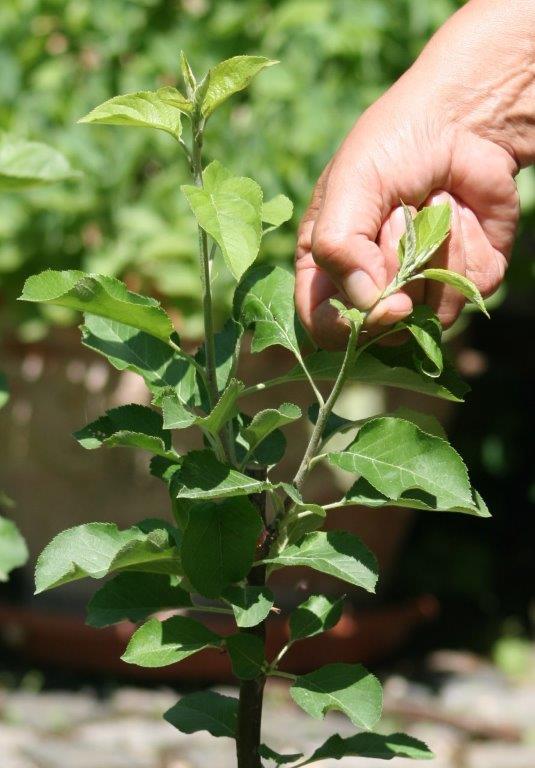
(397, 226)
(361, 289)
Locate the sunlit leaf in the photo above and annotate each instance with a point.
(161, 643)
(144, 109)
(231, 76)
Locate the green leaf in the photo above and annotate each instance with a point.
(251, 605)
(144, 109)
(371, 745)
(187, 75)
(353, 316)
(305, 518)
(205, 711)
(161, 643)
(134, 426)
(395, 456)
(426, 329)
(226, 342)
(425, 421)
(98, 295)
(461, 283)
(229, 209)
(431, 228)
(97, 549)
(173, 98)
(4, 391)
(13, 550)
(407, 243)
(333, 425)
(265, 297)
(30, 163)
(316, 615)
(178, 417)
(246, 653)
(269, 754)
(219, 544)
(134, 597)
(127, 348)
(336, 553)
(349, 688)
(202, 476)
(276, 211)
(265, 422)
(229, 77)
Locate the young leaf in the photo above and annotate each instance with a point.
(246, 653)
(269, 754)
(316, 615)
(135, 426)
(173, 98)
(161, 643)
(97, 549)
(98, 295)
(426, 329)
(144, 109)
(219, 544)
(461, 283)
(276, 211)
(13, 550)
(205, 711)
(251, 605)
(407, 243)
(229, 77)
(127, 348)
(265, 297)
(336, 553)
(177, 417)
(30, 163)
(265, 422)
(353, 316)
(349, 688)
(395, 456)
(202, 476)
(431, 228)
(371, 745)
(134, 597)
(187, 75)
(229, 209)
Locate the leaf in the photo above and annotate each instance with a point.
(354, 316)
(407, 243)
(461, 283)
(431, 228)
(246, 653)
(127, 348)
(426, 329)
(178, 417)
(144, 109)
(316, 615)
(219, 544)
(333, 425)
(173, 98)
(425, 421)
(98, 295)
(349, 688)
(336, 553)
(251, 605)
(265, 422)
(265, 297)
(30, 163)
(161, 643)
(202, 476)
(387, 366)
(229, 77)
(269, 754)
(13, 550)
(205, 711)
(135, 426)
(229, 209)
(133, 597)
(4, 391)
(97, 549)
(276, 211)
(305, 518)
(226, 342)
(395, 456)
(371, 745)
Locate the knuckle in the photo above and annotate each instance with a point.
(329, 250)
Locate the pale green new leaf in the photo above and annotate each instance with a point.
(246, 653)
(276, 211)
(251, 605)
(316, 615)
(144, 109)
(13, 550)
(372, 746)
(219, 544)
(229, 209)
(134, 426)
(173, 98)
(348, 688)
(265, 298)
(352, 315)
(98, 549)
(426, 329)
(407, 243)
(336, 553)
(30, 163)
(176, 416)
(395, 456)
(205, 711)
(229, 77)
(431, 228)
(202, 476)
(265, 422)
(461, 283)
(98, 295)
(133, 597)
(161, 643)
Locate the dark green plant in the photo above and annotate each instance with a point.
(232, 524)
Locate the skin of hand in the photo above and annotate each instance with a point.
(456, 127)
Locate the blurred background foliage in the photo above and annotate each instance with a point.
(126, 216)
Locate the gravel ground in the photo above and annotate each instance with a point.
(471, 714)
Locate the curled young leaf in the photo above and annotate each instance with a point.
(316, 615)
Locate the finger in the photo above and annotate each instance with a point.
(485, 265)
